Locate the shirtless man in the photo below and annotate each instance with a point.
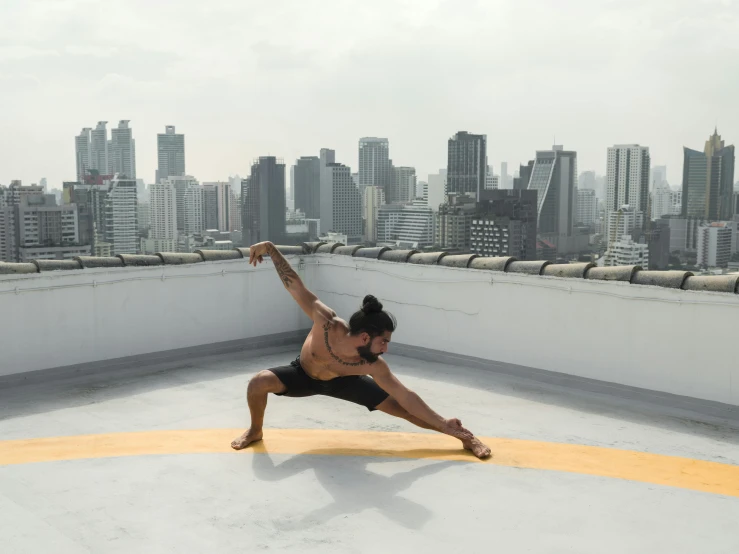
(342, 360)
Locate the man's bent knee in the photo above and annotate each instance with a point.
(264, 382)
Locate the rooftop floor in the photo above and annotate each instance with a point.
(572, 471)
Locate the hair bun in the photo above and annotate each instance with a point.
(370, 304)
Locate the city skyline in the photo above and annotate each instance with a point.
(67, 71)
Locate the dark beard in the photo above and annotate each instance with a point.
(365, 352)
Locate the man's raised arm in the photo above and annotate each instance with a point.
(314, 308)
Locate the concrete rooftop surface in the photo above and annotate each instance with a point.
(138, 460)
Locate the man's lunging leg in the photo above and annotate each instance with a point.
(259, 387)
(392, 407)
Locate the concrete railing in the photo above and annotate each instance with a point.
(607, 324)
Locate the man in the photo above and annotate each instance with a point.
(342, 360)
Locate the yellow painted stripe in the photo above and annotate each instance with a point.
(658, 469)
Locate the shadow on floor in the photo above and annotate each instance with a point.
(353, 487)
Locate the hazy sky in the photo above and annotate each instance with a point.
(287, 77)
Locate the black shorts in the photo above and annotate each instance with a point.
(360, 389)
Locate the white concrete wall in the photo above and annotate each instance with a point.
(71, 317)
(681, 342)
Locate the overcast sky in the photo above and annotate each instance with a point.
(287, 77)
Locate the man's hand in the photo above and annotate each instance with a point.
(257, 251)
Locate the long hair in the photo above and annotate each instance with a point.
(371, 319)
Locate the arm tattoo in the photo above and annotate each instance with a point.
(326, 328)
(284, 269)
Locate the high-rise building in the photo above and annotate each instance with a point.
(164, 217)
(10, 199)
(504, 177)
(437, 189)
(622, 222)
(587, 207)
(708, 180)
(627, 252)
(210, 204)
(170, 154)
(466, 164)
(264, 205)
(504, 224)
(454, 222)
(307, 185)
(144, 217)
(627, 183)
(659, 174)
(409, 225)
(180, 183)
(492, 182)
(403, 187)
(236, 207)
(422, 191)
(374, 162)
(122, 151)
(83, 150)
(374, 197)
(121, 225)
(48, 232)
(99, 155)
(524, 176)
(714, 244)
(341, 204)
(553, 178)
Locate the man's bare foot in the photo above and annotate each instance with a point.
(476, 447)
(246, 439)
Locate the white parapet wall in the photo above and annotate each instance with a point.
(675, 341)
(63, 318)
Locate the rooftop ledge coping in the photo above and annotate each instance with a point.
(634, 274)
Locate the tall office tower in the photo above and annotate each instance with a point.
(659, 174)
(170, 154)
(374, 197)
(374, 163)
(627, 183)
(466, 164)
(708, 180)
(553, 178)
(121, 216)
(122, 152)
(264, 205)
(164, 215)
(194, 210)
(422, 191)
(307, 185)
(524, 176)
(99, 155)
(10, 198)
(235, 205)
(504, 177)
(341, 204)
(83, 151)
(210, 205)
(403, 187)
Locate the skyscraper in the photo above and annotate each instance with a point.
(587, 207)
(307, 184)
(122, 151)
(708, 180)
(553, 178)
(403, 188)
(627, 182)
(341, 204)
(210, 205)
(524, 176)
(83, 150)
(505, 224)
(170, 154)
(164, 216)
(466, 164)
(264, 206)
(99, 158)
(374, 162)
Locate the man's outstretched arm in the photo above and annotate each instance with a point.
(309, 302)
(414, 404)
